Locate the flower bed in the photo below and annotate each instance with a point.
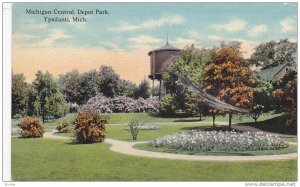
(220, 141)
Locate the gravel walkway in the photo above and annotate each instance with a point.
(127, 148)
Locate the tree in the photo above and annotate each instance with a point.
(285, 93)
(49, 101)
(286, 100)
(71, 86)
(90, 85)
(262, 99)
(271, 54)
(143, 90)
(19, 94)
(196, 104)
(32, 97)
(191, 64)
(228, 78)
(109, 82)
(127, 88)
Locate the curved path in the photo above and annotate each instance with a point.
(127, 148)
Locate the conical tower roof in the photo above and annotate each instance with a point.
(166, 47)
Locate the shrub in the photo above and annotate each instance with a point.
(168, 106)
(32, 127)
(97, 104)
(134, 128)
(220, 141)
(63, 127)
(89, 127)
(123, 104)
(102, 104)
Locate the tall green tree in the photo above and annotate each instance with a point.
(273, 53)
(32, 97)
(49, 101)
(143, 90)
(70, 85)
(262, 99)
(19, 94)
(127, 88)
(109, 82)
(90, 86)
(191, 64)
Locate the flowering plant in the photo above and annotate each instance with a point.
(220, 141)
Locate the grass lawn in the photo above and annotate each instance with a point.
(117, 131)
(291, 139)
(44, 159)
(123, 118)
(290, 149)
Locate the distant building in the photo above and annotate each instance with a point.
(160, 59)
(277, 72)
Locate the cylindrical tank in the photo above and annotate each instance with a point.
(160, 59)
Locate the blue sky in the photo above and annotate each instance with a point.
(132, 27)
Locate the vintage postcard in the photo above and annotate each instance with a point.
(153, 92)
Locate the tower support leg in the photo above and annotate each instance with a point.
(159, 89)
(152, 91)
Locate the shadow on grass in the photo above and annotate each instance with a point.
(177, 115)
(208, 128)
(274, 125)
(187, 120)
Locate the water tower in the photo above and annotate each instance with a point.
(160, 59)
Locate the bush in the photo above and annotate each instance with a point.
(168, 106)
(32, 127)
(134, 128)
(97, 104)
(90, 127)
(63, 127)
(123, 104)
(220, 141)
(102, 104)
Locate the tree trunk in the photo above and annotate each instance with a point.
(230, 116)
(43, 116)
(255, 118)
(200, 115)
(214, 119)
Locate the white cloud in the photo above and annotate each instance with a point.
(258, 29)
(247, 46)
(107, 45)
(288, 24)
(233, 26)
(32, 24)
(56, 34)
(215, 37)
(150, 24)
(20, 36)
(143, 47)
(194, 34)
(183, 42)
(142, 39)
